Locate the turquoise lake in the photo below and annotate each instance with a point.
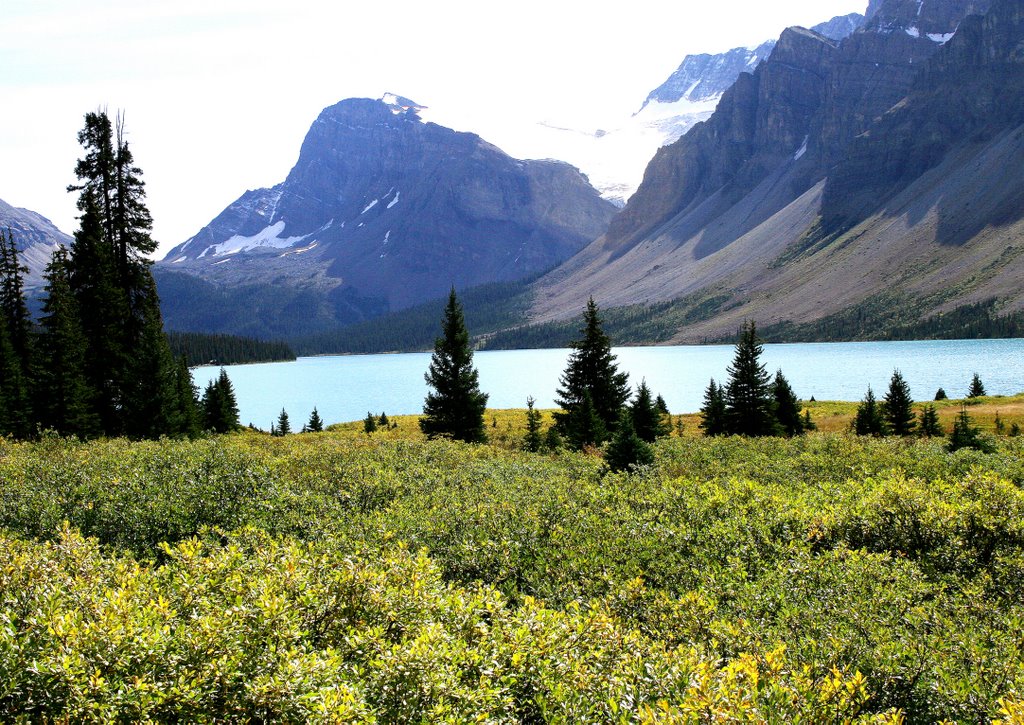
(346, 387)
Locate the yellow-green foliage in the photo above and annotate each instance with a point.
(340, 577)
(258, 629)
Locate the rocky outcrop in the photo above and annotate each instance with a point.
(385, 208)
(703, 76)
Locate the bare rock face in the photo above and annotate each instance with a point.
(972, 89)
(384, 208)
(764, 118)
(807, 102)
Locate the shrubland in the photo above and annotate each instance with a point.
(341, 577)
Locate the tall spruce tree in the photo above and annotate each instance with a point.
(748, 400)
(713, 413)
(899, 412)
(977, 389)
(786, 406)
(151, 385)
(66, 400)
(315, 423)
(591, 372)
(455, 407)
(645, 415)
(131, 368)
(103, 313)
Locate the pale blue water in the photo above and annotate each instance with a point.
(346, 387)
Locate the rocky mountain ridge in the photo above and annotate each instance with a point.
(824, 176)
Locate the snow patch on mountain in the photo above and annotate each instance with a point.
(268, 237)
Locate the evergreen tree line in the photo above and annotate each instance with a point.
(200, 348)
(595, 397)
(894, 415)
(98, 361)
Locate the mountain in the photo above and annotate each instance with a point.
(381, 211)
(35, 237)
(885, 166)
(614, 158)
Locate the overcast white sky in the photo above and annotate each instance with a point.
(218, 94)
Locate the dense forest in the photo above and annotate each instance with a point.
(487, 307)
(204, 349)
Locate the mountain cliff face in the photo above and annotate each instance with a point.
(35, 237)
(383, 211)
(825, 175)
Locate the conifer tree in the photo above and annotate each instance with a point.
(713, 413)
(151, 392)
(66, 400)
(748, 399)
(627, 449)
(369, 423)
(382, 421)
(581, 426)
(283, 426)
(553, 439)
(648, 421)
(220, 409)
(786, 407)
(899, 413)
(18, 365)
(966, 435)
(940, 394)
(130, 366)
(12, 302)
(315, 424)
(455, 407)
(14, 399)
(103, 314)
(591, 372)
(533, 440)
(977, 389)
(187, 416)
(930, 426)
(869, 420)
